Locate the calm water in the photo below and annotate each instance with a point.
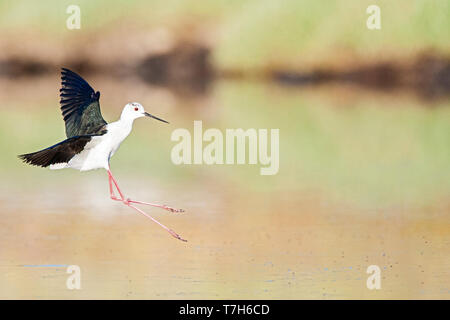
(364, 180)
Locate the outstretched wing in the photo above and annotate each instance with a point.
(80, 106)
(61, 152)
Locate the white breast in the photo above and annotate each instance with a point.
(100, 149)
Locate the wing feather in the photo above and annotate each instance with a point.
(80, 106)
(61, 152)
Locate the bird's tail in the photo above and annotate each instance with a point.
(42, 158)
(58, 154)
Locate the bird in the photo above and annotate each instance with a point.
(91, 141)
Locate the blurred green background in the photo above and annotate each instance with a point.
(364, 123)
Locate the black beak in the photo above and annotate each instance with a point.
(152, 116)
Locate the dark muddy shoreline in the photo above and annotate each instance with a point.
(187, 70)
(428, 76)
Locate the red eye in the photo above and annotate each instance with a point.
(136, 109)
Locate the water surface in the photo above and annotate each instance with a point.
(363, 181)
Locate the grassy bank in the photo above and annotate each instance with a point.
(250, 34)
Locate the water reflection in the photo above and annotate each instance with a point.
(363, 180)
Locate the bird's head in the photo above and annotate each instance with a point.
(134, 110)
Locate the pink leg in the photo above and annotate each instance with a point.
(162, 206)
(111, 178)
(128, 203)
(173, 233)
(111, 190)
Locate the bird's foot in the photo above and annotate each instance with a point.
(172, 209)
(162, 206)
(172, 233)
(176, 235)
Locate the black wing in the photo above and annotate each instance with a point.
(59, 153)
(79, 105)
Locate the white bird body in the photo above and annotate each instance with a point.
(100, 149)
(91, 141)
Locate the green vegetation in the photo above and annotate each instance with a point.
(251, 34)
(299, 32)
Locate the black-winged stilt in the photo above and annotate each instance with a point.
(91, 141)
